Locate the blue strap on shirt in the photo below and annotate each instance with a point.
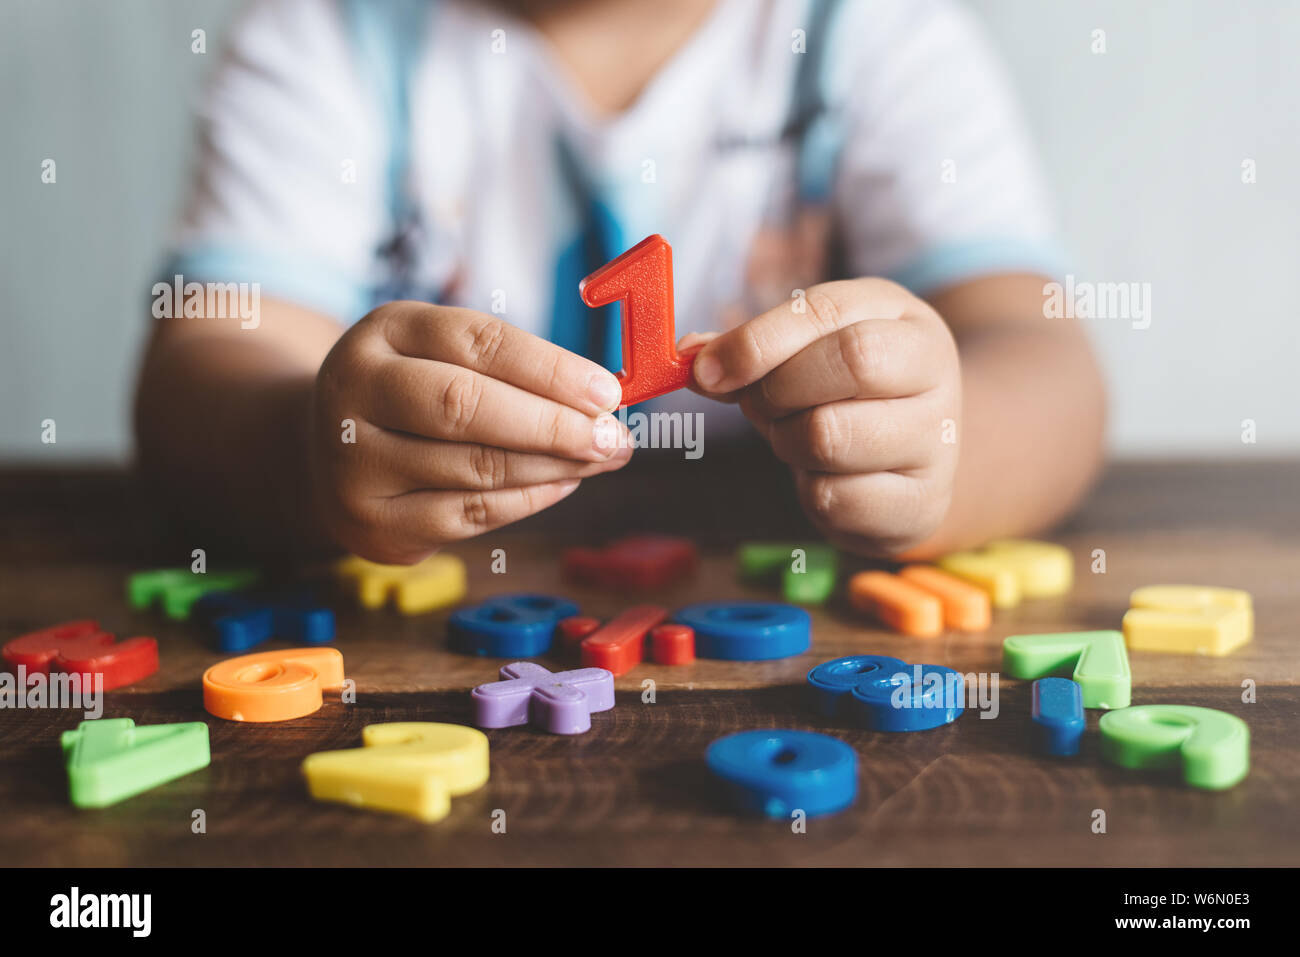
(388, 38)
(595, 333)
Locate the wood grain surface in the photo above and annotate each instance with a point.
(634, 790)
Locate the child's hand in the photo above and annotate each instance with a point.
(462, 423)
(860, 393)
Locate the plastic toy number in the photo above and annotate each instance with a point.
(406, 767)
(1212, 746)
(110, 759)
(1095, 659)
(272, 685)
(779, 772)
(83, 648)
(1189, 619)
(642, 280)
(887, 694)
(1012, 569)
(1058, 715)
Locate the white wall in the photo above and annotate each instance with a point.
(104, 89)
(1144, 144)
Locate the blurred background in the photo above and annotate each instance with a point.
(1145, 146)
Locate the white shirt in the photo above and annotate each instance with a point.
(333, 126)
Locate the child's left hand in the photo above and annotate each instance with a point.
(858, 388)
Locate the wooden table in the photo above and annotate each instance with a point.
(634, 791)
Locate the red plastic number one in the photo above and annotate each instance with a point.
(642, 280)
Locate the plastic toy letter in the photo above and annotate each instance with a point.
(1098, 658)
(272, 685)
(406, 767)
(1212, 746)
(642, 279)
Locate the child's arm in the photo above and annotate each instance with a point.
(460, 423)
(865, 391)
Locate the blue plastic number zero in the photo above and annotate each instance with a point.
(747, 630)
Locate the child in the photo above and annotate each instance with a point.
(414, 188)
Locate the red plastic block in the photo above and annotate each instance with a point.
(619, 645)
(635, 562)
(82, 647)
(672, 644)
(642, 280)
(573, 630)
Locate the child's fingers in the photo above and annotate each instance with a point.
(442, 401)
(431, 464)
(871, 359)
(437, 517)
(880, 511)
(695, 340)
(744, 355)
(486, 344)
(859, 435)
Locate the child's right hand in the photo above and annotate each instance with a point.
(463, 423)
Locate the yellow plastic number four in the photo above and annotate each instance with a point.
(1191, 619)
(434, 583)
(406, 767)
(1013, 569)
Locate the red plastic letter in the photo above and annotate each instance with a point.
(642, 279)
(82, 647)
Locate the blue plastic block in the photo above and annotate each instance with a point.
(777, 772)
(888, 694)
(509, 626)
(1058, 712)
(747, 630)
(243, 620)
